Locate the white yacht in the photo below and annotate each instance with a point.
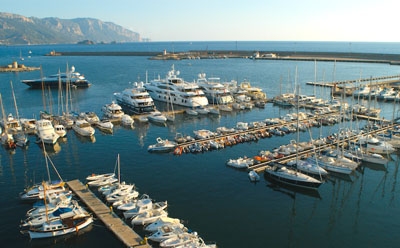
(135, 99)
(176, 91)
(215, 92)
(113, 111)
(385, 93)
(46, 132)
(363, 91)
(374, 145)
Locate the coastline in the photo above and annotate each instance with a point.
(393, 59)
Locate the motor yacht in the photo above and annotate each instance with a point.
(176, 91)
(135, 99)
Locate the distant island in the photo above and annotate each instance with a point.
(20, 30)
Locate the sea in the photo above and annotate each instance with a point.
(216, 201)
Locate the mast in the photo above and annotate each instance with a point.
(119, 169)
(43, 95)
(15, 101)
(315, 77)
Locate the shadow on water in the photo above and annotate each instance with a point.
(372, 166)
(332, 176)
(289, 190)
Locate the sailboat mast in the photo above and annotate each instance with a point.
(119, 170)
(43, 94)
(15, 101)
(298, 122)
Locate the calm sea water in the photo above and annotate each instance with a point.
(216, 201)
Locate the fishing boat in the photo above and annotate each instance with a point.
(70, 77)
(70, 222)
(290, 176)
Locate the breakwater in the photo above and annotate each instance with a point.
(393, 59)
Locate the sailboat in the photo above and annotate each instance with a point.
(286, 175)
(36, 192)
(19, 136)
(69, 222)
(304, 166)
(7, 138)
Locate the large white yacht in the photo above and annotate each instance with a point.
(135, 99)
(175, 90)
(214, 90)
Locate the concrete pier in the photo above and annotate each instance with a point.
(114, 223)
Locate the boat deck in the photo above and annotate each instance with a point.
(114, 223)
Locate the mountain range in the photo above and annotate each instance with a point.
(17, 29)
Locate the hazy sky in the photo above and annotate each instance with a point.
(237, 20)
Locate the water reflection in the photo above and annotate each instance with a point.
(86, 139)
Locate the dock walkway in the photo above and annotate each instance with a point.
(114, 223)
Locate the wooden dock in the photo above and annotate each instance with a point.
(114, 223)
(260, 167)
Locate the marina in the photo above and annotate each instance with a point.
(201, 189)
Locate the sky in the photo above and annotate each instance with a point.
(231, 20)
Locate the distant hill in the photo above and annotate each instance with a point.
(16, 29)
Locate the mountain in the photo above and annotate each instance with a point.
(16, 29)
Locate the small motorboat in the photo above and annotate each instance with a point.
(162, 146)
(132, 203)
(105, 125)
(60, 130)
(94, 177)
(127, 120)
(148, 217)
(253, 176)
(83, 128)
(103, 181)
(157, 117)
(167, 232)
(162, 221)
(240, 163)
(180, 240)
(191, 112)
(144, 205)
